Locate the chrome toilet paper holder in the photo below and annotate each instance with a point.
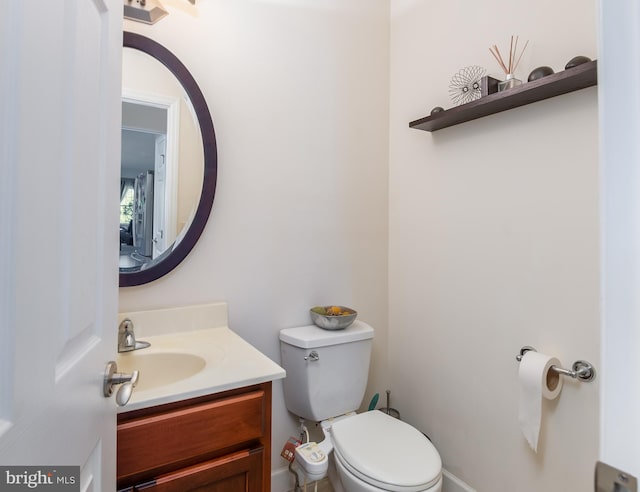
(582, 370)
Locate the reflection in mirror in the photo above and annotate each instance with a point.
(144, 181)
(162, 160)
(169, 163)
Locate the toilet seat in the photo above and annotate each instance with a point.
(386, 453)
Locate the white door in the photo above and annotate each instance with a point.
(619, 100)
(60, 65)
(159, 194)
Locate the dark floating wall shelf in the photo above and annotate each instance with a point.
(569, 80)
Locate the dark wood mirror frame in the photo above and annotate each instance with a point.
(180, 251)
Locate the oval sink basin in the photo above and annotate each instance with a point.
(160, 368)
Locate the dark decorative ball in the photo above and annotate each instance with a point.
(437, 109)
(577, 60)
(539, 72)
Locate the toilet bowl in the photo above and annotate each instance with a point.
(376, 452)
(327, 374)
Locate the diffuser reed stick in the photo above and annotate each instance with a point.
(520, 57)
(514, 59)
(498, 57)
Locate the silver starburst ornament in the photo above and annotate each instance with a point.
(465, 85)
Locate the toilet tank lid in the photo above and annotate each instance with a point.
(312, 336)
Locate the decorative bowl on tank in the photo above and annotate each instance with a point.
(332, 317)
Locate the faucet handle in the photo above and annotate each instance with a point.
(126, 325)
(126, 337)
(129, 340)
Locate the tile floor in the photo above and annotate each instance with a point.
(323, 486)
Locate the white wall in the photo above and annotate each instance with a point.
(298, 92)
(493, 243)
(493, 232)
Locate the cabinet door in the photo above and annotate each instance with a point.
(240, 471)
(169, 440)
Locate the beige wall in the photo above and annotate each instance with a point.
(493, 243)
(298, 92)
(493, 232)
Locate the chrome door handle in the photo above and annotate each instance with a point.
(111, 378)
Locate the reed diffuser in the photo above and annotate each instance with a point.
(510, 67)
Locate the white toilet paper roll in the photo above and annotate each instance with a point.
(537, 381)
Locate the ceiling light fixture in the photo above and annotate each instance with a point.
(147, 11)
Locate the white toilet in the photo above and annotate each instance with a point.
(327, 373)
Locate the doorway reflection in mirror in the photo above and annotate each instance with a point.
(145, 216)
(162, 162)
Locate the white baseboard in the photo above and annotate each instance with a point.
(451, 483)
(281, 480)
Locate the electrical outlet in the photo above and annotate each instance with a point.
(289, 448)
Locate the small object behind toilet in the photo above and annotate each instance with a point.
(313, 460)
(388, 410)
(289, 449)
(373, 402)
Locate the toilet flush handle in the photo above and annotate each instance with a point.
(313, 356)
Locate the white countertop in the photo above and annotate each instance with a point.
(229, 363)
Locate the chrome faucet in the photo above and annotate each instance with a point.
(127, 339)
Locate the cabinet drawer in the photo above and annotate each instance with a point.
(177, 436)
(239, 471)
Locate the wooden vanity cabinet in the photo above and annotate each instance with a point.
(216, 443)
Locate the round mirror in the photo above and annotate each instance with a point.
(169, 162)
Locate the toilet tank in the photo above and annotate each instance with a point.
(335, 382)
